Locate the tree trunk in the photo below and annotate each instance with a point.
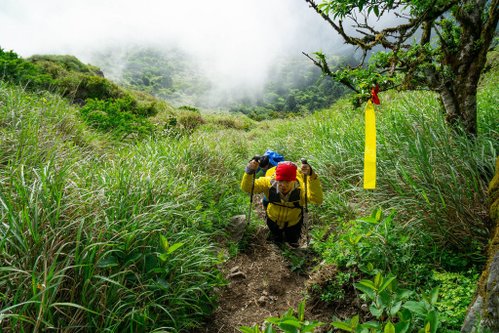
(459, 102)
(459, 94)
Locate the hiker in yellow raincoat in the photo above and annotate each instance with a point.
(285, 190)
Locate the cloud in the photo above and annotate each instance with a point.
(236, 39)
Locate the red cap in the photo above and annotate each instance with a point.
(285, 171)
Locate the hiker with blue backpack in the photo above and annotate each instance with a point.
(267, 161)
(266, 167)
(287, 190)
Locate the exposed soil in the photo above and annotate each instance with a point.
(262, 284)
(266, 280)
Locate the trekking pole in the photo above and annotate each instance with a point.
(305, 217)
(255, 158)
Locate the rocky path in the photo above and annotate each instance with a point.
(261, 284)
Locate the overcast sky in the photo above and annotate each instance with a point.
(236, 39)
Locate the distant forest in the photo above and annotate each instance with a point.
(294, 85)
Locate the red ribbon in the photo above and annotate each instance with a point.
(374, 94)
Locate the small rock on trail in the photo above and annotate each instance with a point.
(261, 285)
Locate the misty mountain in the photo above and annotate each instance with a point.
(169, 74)
(293, 84)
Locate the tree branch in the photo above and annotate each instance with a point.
(325, 69)
(400, 32)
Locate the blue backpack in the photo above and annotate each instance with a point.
(272, 158)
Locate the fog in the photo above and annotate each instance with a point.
(236, 39)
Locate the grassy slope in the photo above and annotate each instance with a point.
(82, 215)
(82, 218)
(426, 172)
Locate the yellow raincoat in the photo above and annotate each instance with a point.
(285, 211)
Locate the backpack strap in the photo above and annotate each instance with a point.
(294, 198)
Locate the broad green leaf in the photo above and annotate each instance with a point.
(342, 326)
(403, 294)
(367, 283)
(163, 256)
(109, 261)
(370, 220)
(375, 311)
(174, 247)
(310, 327)
(416, 307)
(132, 258)
(269, 329)
(289, 328)
(389, 328)
(402, 326)
(371, 324)
(353, 240)
(164, 242)
(432, 319)
(291, 322)
(355, 321)
(395, 308)
(365, 289)
(301, 311)
(386, 283)
(247, 329)
(404, 315)
(273, 320)
(378, 280)
(384, 299)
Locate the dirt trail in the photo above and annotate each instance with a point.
(261, 284)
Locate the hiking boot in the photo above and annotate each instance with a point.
(275, 239)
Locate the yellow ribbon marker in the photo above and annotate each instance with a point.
(370, 148)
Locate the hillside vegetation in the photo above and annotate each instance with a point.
(294, 86)
(99, 233)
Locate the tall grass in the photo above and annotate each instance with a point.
(433, 176)
(82, 220)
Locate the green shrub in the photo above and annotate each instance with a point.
(68, 62)
(233, 122)
(79, 82)
(335, 289)
(392, 308)
(189, 121)
(456, 293)
(289, 322)
(114, 115)
(21, 72)
(189, 108)
(80, 87)
(146, 105)
(376, 241)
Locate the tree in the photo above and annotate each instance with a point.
(440, 45)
